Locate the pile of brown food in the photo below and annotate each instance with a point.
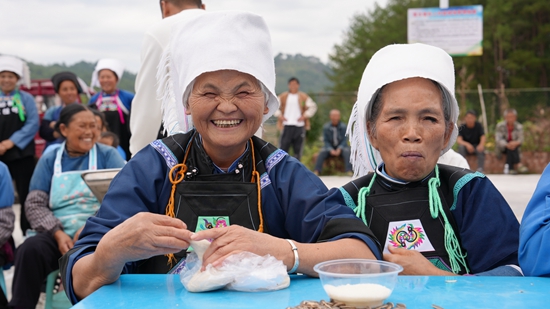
(311, 304)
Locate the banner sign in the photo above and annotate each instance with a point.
(457, 30)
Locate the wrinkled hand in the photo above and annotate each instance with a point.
(64, 241)
(413, 263)
(143, 236)
(234, 239)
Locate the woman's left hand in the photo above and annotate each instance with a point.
(233, 239)
(64, 241)
(413, 263)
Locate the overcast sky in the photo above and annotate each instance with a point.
(56, 31)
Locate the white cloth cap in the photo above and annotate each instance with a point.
(17, 66)
(110, 64)
(389, 64)
(213, 41)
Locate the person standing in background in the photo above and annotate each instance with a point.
(114, 103)
(335, 142)
(146, 117)
(293, 117)
(471, 139)
(18, 126)
(508, 138)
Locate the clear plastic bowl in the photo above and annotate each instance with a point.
(358, 282)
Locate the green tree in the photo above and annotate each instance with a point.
(516, 47)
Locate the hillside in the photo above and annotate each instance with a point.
(82, 69)
(309, 70)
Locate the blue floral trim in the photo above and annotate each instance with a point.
(349, 200)
(166, 153)
(461, 183)
(274, 159)
(264, 180)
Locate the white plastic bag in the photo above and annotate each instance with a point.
(243, 271)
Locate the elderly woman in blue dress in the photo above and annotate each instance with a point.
(220, 66)
(432, 219)
(59, 202)
(18, 126)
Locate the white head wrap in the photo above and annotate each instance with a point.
(213, 41)
(110, 64)
(389, 64)
(17, 66)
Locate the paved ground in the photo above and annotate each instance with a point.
(516, 189)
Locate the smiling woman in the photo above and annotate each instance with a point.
(59, 202)
(176, 190)
(432, 219)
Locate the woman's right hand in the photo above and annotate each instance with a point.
(64, 241)
(143, 236)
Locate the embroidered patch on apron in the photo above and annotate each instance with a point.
(408, 234)
(206, 223)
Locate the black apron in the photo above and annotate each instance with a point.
(205, 200)
(401, 209)
(112, 116)
(10, 123)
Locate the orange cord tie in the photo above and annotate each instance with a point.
(256, 178)
(170, 208)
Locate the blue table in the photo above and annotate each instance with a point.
(166, 291)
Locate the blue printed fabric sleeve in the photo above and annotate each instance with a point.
(489, 230)
(6, 187)
(22, 137)
(534, 241)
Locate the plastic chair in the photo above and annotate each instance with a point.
(57, 300)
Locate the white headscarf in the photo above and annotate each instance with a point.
(213, 41)
(17, 66)
(111, 64)
(389, 64)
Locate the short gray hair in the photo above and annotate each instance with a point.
(373, 112)
(510, 110)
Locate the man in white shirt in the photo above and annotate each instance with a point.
(293, 117)
(146, 116)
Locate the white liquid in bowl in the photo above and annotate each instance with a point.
(358, 295)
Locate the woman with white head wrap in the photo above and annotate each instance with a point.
(403, 121)
(220, 66)
(114, 103)
(18, 126)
